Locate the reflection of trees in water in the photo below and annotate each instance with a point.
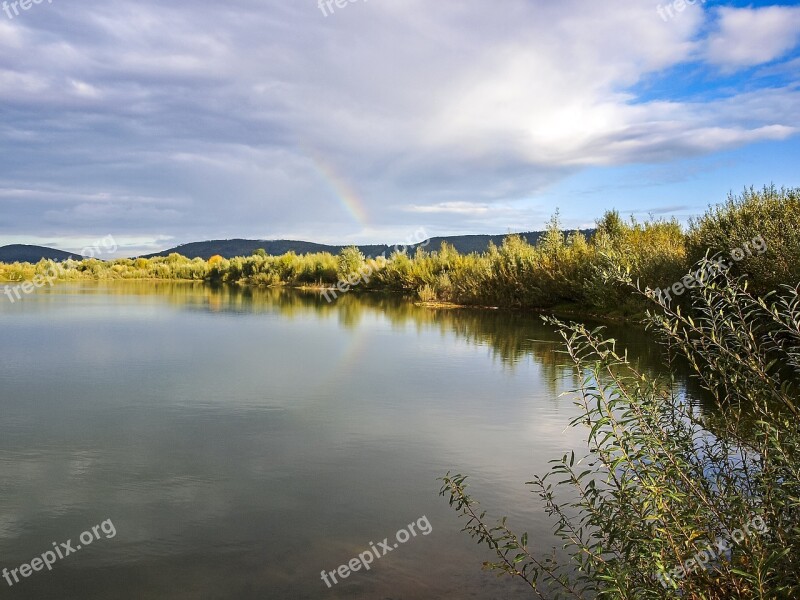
(511, 335)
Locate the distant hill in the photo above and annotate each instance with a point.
(230, 248)
(480, 243)
(32, 254)
(240, 247)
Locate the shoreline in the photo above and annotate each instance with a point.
(560, 311)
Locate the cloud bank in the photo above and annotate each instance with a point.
(268, 119)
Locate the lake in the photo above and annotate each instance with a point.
(242, 441)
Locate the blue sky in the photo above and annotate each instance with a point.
(161, 124)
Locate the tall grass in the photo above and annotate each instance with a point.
(773, 213)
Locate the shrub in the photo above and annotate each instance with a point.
(350, 261)
(661, 482)
(772, 213)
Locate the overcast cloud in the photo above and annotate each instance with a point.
(165, 123)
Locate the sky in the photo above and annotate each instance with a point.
(163, 123)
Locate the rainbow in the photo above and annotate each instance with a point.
(345, 193)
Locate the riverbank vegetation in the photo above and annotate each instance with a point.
(670, 502)
(560, 271)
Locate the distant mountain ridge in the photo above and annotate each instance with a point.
(465, 244)
(33, 254)
(240, 247)
(243, 247)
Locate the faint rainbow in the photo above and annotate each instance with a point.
(348, 360)
(345, 193)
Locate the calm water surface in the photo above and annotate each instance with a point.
(242, 441)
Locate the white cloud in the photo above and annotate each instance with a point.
(83, 89)
(460, 208)
(745, 37)
(454, 106)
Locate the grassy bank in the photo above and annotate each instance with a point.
(669, 502)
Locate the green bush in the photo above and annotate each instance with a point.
(771, 213)
(350, 261)
(660, 482)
